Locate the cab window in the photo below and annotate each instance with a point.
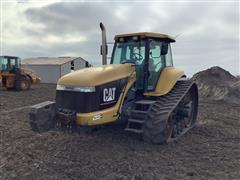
(3, 63)
(169, 60)
(129, 52)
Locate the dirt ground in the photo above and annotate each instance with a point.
(210, 151)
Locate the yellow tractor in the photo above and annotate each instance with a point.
(140, 87)
(12, 76)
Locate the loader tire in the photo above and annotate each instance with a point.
(23, 83)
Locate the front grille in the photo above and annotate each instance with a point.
(83, 102)
(78, 101)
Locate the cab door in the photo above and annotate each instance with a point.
(160, 56)
(155, 63)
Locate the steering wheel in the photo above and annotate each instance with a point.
(127, 61)
(137, 56)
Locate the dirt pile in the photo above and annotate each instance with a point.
(218, 84)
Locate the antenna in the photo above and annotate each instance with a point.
(177, 35)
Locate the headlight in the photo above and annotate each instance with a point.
(60, 87)
(75, 88)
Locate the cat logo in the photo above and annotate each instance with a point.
(109, 94)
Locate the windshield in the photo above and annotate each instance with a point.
(129, 52)
(9, 63)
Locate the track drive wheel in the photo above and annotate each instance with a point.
(23, 83)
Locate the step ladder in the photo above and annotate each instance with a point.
(137, 115)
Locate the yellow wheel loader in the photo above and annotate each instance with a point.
(140, 87)
(12, 76)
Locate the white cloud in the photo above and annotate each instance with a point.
(122, 12)
(52, 39)
(208, 31)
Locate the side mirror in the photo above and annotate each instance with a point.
(164, 49)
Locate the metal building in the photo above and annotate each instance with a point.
(50, 69)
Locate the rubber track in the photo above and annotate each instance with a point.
(165, 105)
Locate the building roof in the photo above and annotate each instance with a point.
(147, 34)
(49, 60)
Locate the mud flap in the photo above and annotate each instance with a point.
(42, 116)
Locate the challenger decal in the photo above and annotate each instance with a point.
(97, 117)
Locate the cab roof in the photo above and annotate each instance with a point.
(13, 57)
(164, 37)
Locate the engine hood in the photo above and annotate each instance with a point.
(94, 76)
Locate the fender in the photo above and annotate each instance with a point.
(168, 78)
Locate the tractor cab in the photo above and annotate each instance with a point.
(9, 63)
(9, 69)
(149, 52)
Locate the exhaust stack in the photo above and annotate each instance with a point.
(104, 47)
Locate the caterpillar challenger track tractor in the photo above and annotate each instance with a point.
(140, 87)
(12, 76)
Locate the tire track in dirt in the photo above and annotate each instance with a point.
(15, 110)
